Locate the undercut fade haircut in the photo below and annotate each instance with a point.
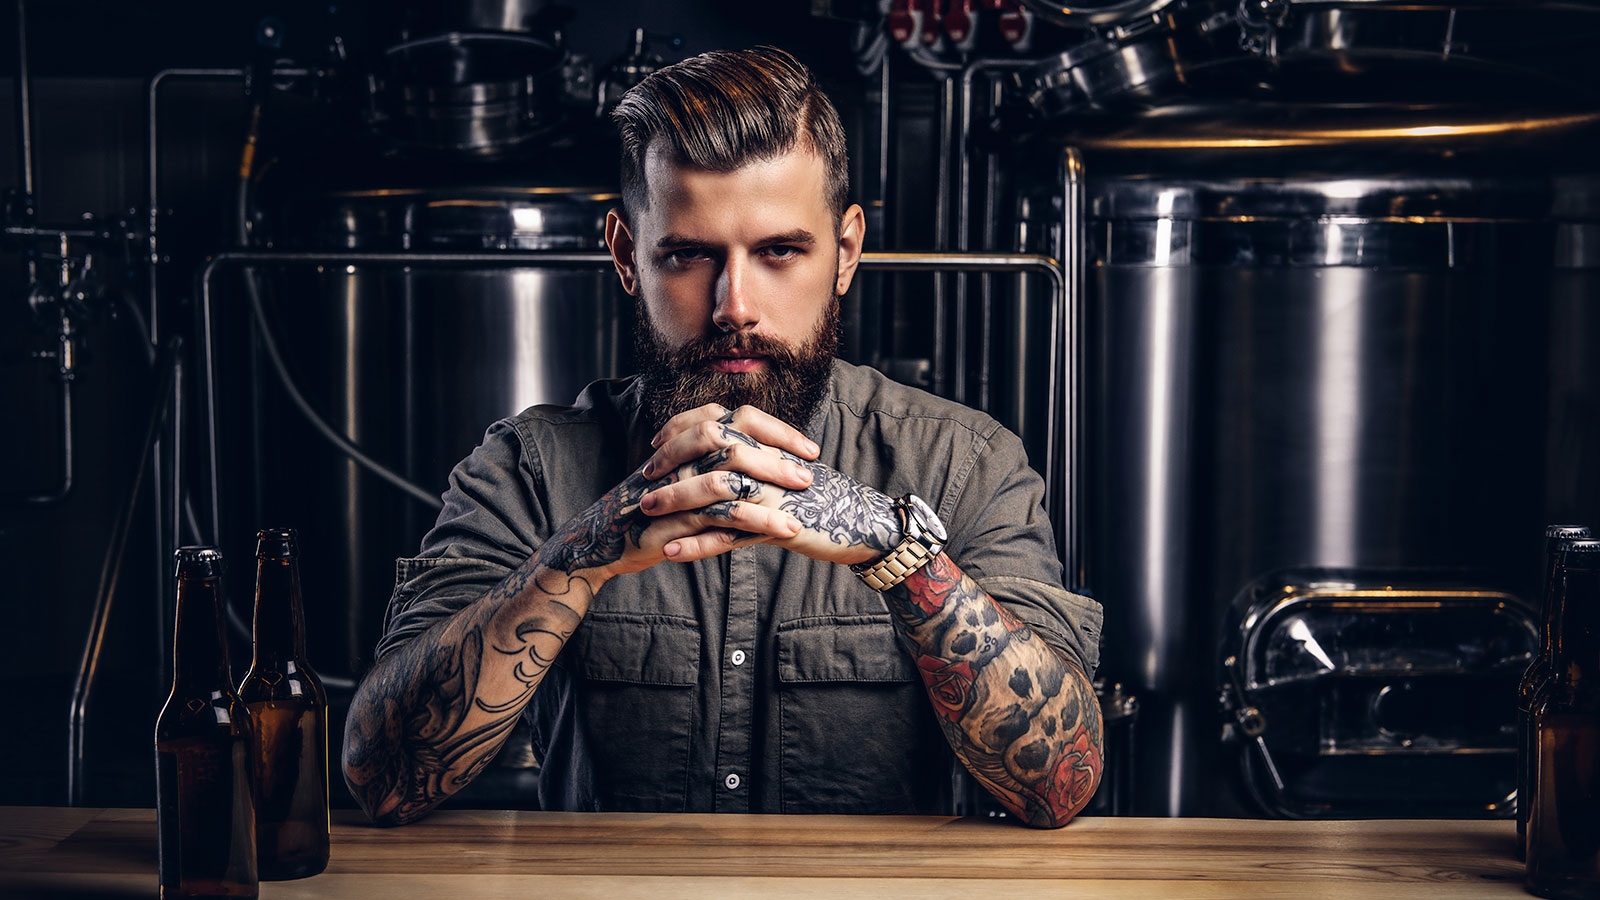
(722, 110)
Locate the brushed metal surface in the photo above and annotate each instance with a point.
(1301, 371)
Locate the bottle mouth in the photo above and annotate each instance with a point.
(198, 562)
(1581, 554)
(276, 543)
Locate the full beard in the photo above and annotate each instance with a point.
(790, 386)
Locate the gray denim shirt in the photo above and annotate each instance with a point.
(759, 680)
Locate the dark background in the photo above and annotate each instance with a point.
(91, 64)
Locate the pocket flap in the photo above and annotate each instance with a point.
(844, 648)
(660, 650)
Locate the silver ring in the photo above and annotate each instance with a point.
(745, 486)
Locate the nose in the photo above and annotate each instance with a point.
(735, 310)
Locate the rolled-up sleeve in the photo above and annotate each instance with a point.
(492, 521)
(1001, 538)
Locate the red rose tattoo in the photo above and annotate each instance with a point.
(949, 684)
(931, 587)
(1076, 775)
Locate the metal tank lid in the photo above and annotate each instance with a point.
(1401, 198)
(453, 217)
(1277, 126)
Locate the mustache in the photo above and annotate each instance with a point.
(700, 352)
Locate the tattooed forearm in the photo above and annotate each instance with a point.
(433, 714)
(1023, 721)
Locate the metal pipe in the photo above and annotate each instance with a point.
(110, 570)
(163, 550)
(1069, 331)
(941, 236)
(65, 350)
(152, 174)
(884, 261)
(964, 221)
(24, 105)
(885, 130)
(991, 189)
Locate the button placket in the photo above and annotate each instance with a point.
(737, 708)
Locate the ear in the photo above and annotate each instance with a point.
(620, 241)
(852, 232)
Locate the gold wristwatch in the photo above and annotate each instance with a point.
(923, 538)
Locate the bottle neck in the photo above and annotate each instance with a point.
(200, 648)
(280, 634)
(1576, 663)
(1549, 586)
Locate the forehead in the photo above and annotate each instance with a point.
(790, 187)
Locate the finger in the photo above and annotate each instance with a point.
(762, 465)
(686, 420)
(751, 518)
(754, 476)
(704, 437)
(710, 543)
(717, 445)
(772, 431)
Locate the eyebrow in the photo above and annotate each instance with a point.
(798, 236)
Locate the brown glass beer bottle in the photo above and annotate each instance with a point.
(1563, 852)
(205, 807)
(1536, 678)
(289, 712)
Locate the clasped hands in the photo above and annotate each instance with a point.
(720, 480)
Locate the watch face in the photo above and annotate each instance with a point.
(930, 522)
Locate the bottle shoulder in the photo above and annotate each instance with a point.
(282, 681)
(207, 714)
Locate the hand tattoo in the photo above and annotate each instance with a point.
(599, 535)
(848, 512)
(845, 511)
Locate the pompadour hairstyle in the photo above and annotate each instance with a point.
(722, 110)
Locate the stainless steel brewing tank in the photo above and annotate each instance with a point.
(1312, 338)
(413, 363)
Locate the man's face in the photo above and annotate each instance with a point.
(737, 275)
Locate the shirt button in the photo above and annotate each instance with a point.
(732, 781)
(737, 657)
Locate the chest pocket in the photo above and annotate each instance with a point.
(634, 707)
(857, 732)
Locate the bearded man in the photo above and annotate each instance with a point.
(752, 578)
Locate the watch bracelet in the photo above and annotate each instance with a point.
(894, 568)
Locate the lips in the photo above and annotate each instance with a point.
(737, 363)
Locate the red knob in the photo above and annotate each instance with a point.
(1014, 22)
(932, 16)
(902, 20)
(960, 20)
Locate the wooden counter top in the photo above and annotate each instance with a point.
(53, 852)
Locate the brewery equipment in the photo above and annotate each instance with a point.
(1324, 250)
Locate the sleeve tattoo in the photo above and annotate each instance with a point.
(433, 714)
(1023, 721)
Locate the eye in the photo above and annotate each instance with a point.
(684, 256)
(782, 251)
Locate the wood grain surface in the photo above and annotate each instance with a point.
(70, 853)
